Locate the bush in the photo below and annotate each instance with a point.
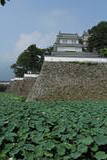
(103, 52)
(3, 87)
(52, 131)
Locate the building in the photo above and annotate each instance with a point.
(84, 38)
(66, 42)
(4, 82)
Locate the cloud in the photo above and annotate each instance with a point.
(54, 19)
(47, 24)
(38, 38)
(50, 23)
(25, 39)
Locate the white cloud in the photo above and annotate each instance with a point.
(38, 38)
(25, 39)
(48, 23)
(54, 19)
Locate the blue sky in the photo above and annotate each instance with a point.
(24, 22)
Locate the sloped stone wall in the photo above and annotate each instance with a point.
(71, 81)
(21, 87)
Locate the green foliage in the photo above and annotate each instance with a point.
(98, 37)
(81, 41)
(48, 51)
(3, 87)
(3, 2)
(101, 155)
(29, 60)
(52, 130)
(103, 52)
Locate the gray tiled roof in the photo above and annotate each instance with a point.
(75, 54)
(67, 35)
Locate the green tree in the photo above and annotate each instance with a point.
(103, 52)
(2, 2)
(98, 37)
(29, 60)
(48, 51)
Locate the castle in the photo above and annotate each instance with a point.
(72, 45)
(66, 42)
(67, 74)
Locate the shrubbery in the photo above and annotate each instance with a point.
(52, 131)
(103, 52)
(3, 87)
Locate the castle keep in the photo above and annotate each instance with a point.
(66, 42)
(71, 74)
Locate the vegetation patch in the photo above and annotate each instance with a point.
(3, 87)
(62, 130)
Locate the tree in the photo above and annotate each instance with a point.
(3, 87)
(103, 52)
(98, 37)
(48, 51)
(29, 60)
(2, 2)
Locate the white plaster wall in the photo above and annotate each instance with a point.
(74, 49)
(69, 59)
(17, 79)
(78, 49)
(31, 75)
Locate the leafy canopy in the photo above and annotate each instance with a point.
(98, 37)
(103, 52)
(30, 59)
(2, 2)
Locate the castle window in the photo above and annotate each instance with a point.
(69, 41)
(77, 42)
(63, 41)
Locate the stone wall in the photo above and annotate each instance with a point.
(21, 87)
(71, 81)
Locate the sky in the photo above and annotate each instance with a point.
(26, 22)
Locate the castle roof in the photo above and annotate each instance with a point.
(68, 35)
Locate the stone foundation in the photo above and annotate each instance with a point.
(21, 87)
(71, 81)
